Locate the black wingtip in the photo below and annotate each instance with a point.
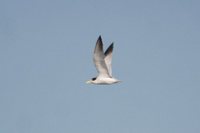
(99, 45)
(99, 40)
(109, 49)
(112, 44)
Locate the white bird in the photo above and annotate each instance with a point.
(103, 63)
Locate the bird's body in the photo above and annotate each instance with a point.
(103, 65)
(105, 81)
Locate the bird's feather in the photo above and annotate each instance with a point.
(98, 59)
(108, 58)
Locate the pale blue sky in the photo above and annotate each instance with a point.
(46, 52)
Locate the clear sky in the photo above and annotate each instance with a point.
(46, 50)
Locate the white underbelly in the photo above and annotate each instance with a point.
(106, 81)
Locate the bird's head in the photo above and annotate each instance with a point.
(91, 81)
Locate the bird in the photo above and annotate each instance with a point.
(103, 64)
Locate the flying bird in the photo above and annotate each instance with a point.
(103, 64)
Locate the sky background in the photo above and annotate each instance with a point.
(46, 50)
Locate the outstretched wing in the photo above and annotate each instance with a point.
(99, 59)
(108, 58)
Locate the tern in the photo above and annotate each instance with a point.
(103, 64)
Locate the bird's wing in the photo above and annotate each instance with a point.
(108, 58)
(99, 59)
